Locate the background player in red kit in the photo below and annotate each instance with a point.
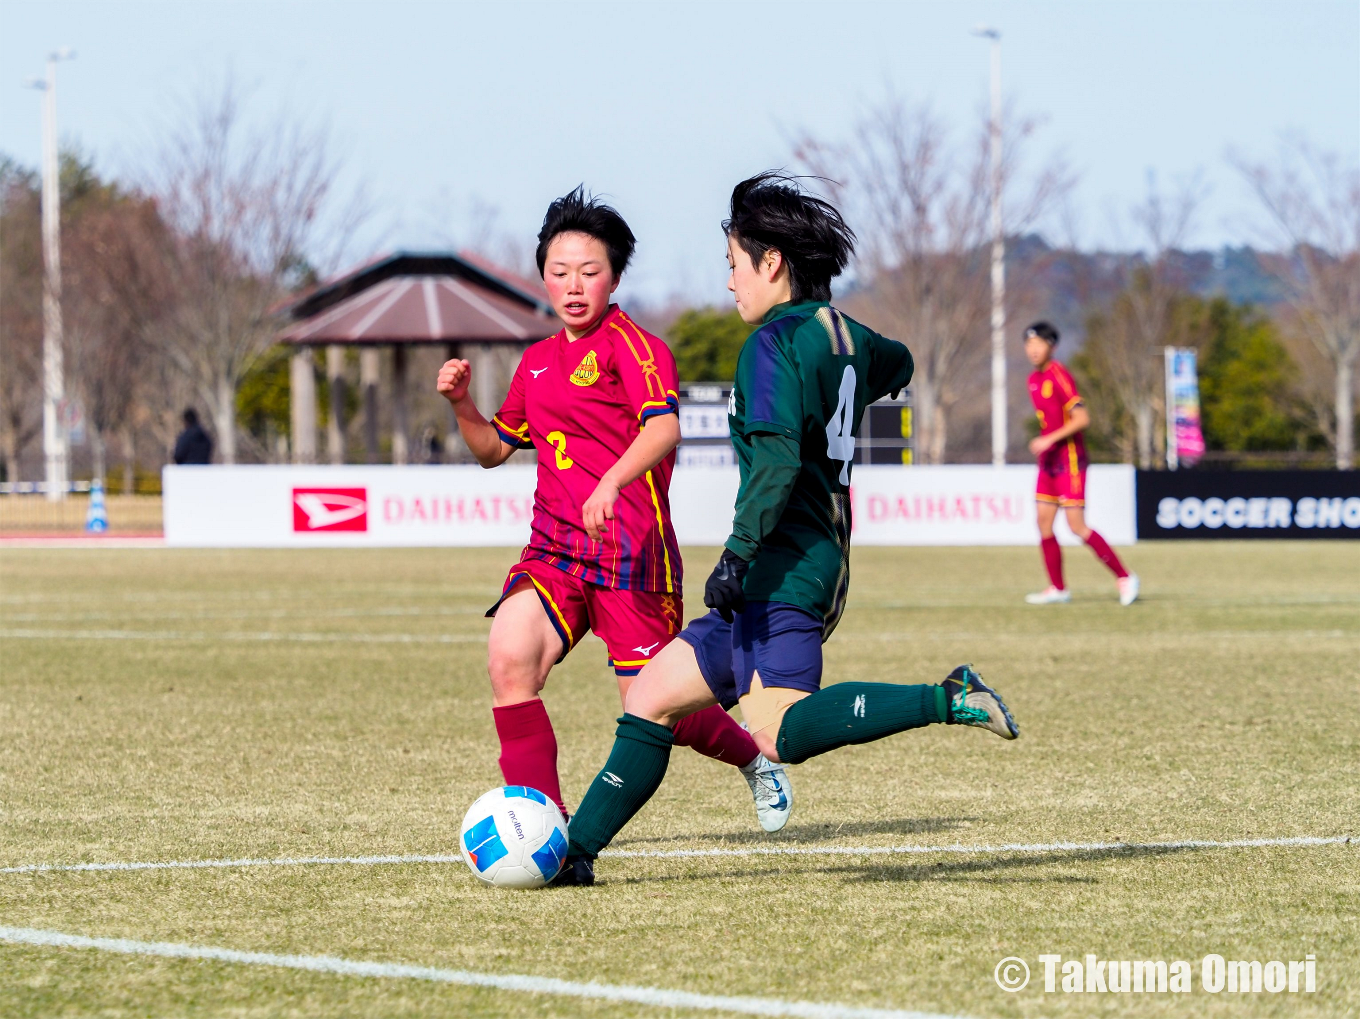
(598, 402)
(1062, 467)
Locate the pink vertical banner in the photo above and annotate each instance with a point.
(1184, 436)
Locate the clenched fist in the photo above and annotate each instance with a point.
(454, 379)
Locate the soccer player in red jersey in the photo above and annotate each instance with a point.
(1062, 467)
(598, 402)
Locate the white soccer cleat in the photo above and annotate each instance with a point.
(773, 794)
(1128, 589)
(1053, 596)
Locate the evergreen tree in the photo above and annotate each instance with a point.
(706, 342)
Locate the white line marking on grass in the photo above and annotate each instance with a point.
(305, 638)
(286, 861)
(635, 854)
(654, 996)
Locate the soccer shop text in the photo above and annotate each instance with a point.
(1216, 974)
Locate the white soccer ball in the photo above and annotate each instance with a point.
(514, 837)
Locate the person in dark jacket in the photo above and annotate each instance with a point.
(194, 445)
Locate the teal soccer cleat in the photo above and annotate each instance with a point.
(973, 702)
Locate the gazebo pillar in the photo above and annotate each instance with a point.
(401, 428)
(486, 383)
(369, 374)
(455, 449)
(335, 428)
(302, 405)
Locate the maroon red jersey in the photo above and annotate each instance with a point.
(580, 404)
(1054, 394)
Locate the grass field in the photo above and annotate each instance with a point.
(179, 706)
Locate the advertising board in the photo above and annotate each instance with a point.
(373, 506)
(1249, 504)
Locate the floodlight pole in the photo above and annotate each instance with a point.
(55, 452)
(999, 416)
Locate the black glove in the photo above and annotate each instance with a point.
(723, 590)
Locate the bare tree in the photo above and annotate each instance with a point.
(21, 271)
(921, 208)
(110, 297)
(1313, 199)
(1128, 337)
(246, 210)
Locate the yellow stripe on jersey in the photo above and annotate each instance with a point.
(661, 534)
(648, 363)
(521, 432)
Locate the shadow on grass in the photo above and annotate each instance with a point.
(805, 832)
(999, 869)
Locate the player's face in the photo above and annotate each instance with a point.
(757, 288)
(1038, 351)
(579, 280)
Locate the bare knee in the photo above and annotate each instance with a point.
(522, 648)
(515, 675)
(648, 698)
(1076, 521)
(518, 665)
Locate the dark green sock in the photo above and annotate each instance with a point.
(856, 713)
(634, 771)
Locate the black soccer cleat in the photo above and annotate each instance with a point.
(973, 702)
(576, 870)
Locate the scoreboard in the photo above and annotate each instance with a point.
(886, 435)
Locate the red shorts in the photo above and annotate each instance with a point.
(1063, 487)
(634, 625)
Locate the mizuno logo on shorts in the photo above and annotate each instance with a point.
(646, 650)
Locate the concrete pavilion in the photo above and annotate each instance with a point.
(461, 302)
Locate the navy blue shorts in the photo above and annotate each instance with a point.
(780, 641)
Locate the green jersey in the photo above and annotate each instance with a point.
(803, 380)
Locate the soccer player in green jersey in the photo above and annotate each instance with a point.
(804, 378)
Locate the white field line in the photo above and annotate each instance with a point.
(669, 854)
(295, 638)
(474, 638)
(654, 996)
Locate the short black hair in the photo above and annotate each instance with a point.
(1045, 330)
(190, 417)
(578, 212)
(770, 211)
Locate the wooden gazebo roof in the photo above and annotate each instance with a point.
(413, 298)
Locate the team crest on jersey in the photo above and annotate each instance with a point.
(587, 373)
(1047, 390)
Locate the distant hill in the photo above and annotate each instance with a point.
(1062, 285)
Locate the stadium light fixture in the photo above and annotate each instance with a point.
(55, 444)
(999, 422)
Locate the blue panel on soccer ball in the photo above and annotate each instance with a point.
(484, 843)
(526, 793)
(549, 858)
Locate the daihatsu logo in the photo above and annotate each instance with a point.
(330, 509)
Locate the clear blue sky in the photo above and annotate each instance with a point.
(663, 106)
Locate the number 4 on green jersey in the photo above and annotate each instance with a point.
(807, 375)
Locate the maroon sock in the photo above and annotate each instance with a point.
(714, 733)
(529, 748)
(1053, 561)
(1106, 554)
